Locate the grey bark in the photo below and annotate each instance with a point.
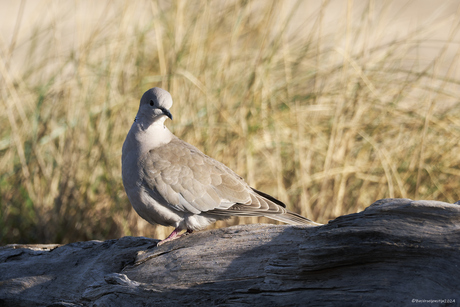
(397, 252)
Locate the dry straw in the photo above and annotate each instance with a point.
(327, 107)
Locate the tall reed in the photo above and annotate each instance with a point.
(327, 108)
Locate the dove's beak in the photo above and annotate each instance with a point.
(167, 113)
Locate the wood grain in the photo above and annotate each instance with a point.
(395, 251)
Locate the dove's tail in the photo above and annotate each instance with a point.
(287, 216)
(262, 205)
(292, 218)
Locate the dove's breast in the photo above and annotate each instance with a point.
(145, 204)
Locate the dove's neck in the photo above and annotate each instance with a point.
(148, 137)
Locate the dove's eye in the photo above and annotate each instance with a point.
(151, 103)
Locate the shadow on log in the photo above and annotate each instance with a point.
(396, 252)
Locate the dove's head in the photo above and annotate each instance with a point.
(154, 106)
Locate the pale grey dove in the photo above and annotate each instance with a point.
(171, 183)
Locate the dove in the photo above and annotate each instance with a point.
(171, 183)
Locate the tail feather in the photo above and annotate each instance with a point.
(269, 197)
(287, 217)
(263, 205)
(291, 218)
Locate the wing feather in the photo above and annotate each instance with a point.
(188, 180)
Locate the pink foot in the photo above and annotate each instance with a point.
(174, 235)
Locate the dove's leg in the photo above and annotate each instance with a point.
(174, 235)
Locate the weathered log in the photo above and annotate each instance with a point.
(396, 252)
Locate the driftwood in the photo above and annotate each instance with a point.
(397, 252)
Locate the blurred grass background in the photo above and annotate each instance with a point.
(326, 105)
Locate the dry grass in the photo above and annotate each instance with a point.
(326, 113)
